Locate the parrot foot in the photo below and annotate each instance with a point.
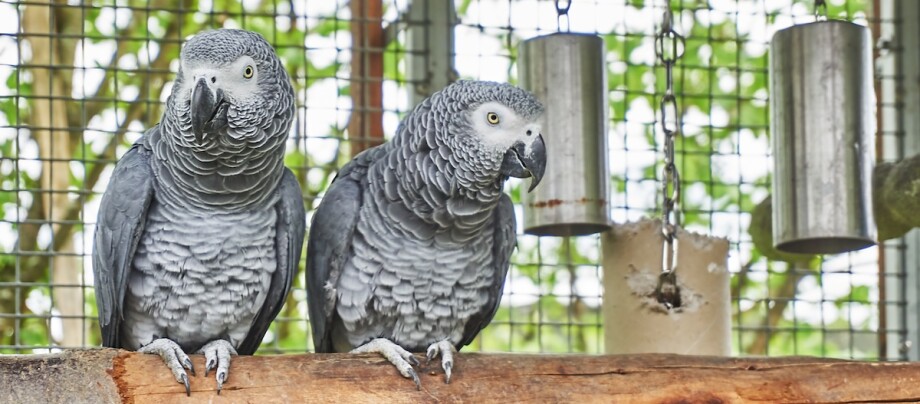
(446, 350)
(174, 358)
(217, 355)
(399, 357)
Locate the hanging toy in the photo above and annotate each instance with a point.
(656, 300)
(566, 71)
(822, 123)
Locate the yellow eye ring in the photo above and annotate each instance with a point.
(248, 72)
(492, 118)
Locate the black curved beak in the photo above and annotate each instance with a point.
(519, 162)
(207, 108)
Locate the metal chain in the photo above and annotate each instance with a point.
(669, 47)
(563, 11)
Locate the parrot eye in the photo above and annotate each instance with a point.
(492, 118)
(247, 73)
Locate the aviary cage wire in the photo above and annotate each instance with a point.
(81, 81)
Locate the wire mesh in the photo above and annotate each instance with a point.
(81, 82)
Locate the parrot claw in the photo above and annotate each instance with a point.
(447, 367)
(418, 383)
(217, 355)
(174, 358)
(220, 381)
(187, 363)
(446, 350)
(210, 366)
(188, 390)
(397, 355)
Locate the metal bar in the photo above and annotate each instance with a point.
(430, 65)
(874, 13)
(365, 127)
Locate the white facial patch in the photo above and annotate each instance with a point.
(499, 127)
(230, 78)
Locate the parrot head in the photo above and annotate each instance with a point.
(501, 122)
(231, 82)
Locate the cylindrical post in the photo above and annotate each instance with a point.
(567, 73)
(822, 124)
(636, 322)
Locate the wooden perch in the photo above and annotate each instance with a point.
(108, 375)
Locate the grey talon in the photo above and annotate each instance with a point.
(395, 354)
(418, 383)
(221, 378)
(188, 390)
(188, 365)
(447, 372)
(414, 361)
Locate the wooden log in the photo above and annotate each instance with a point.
(106, 375)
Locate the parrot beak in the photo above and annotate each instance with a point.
(208, 109)
(522, 161)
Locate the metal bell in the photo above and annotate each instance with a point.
(822, 124)
(567, 73)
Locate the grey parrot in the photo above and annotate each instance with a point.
(201, 227)
(409, 248)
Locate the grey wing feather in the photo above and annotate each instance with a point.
(330, 243)
(504, 241)
(120, 224)
(289, 235)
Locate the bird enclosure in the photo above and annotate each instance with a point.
(81, 81)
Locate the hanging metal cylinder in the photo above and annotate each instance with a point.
(567, 73)
(822, 124)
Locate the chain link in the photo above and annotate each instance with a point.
(669, 47)
(563, 11)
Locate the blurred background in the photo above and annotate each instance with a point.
(81, 80)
